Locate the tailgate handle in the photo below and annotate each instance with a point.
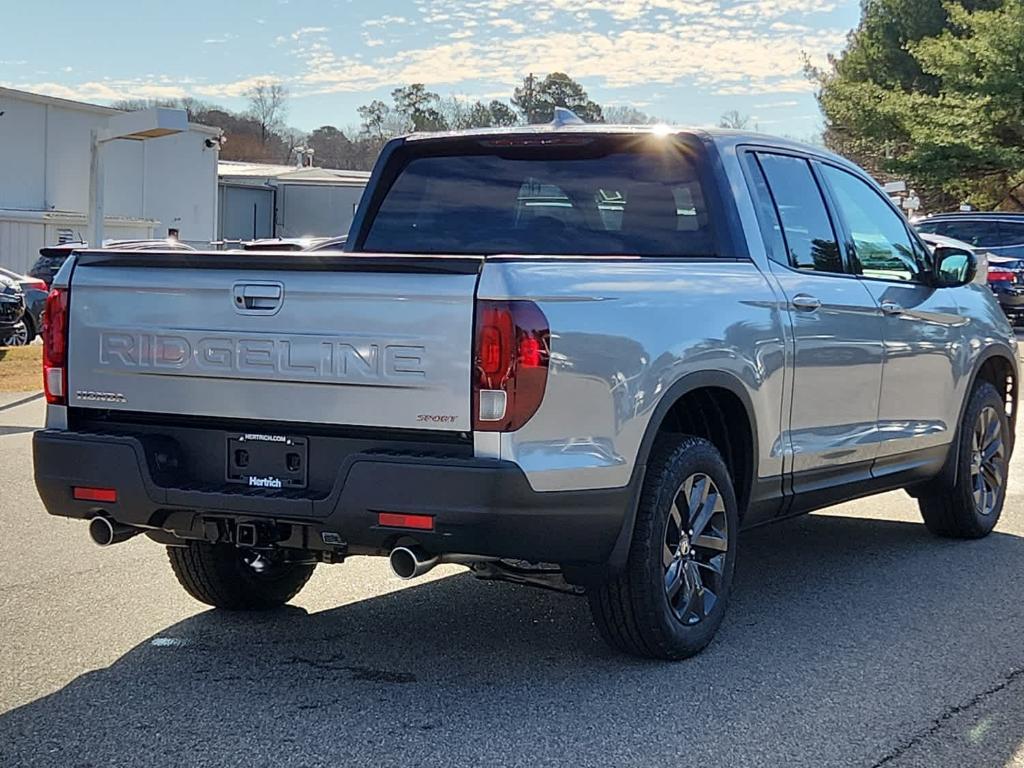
(257, 298)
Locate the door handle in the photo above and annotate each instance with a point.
(806, 303)
(891, 308)
(257, 298)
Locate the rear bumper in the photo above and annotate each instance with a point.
(480, 506)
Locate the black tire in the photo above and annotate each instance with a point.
(30, 328)
(633, 610)
(957, 512)
(221, 575)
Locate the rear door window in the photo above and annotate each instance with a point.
(810, 240)
(601, 198)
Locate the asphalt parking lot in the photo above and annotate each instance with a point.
(855, 638)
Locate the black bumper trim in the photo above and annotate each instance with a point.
(480, 506)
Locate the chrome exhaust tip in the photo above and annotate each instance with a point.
(104, 531)
(409, 562)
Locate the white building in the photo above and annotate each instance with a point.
(260, 200)
(150, 186)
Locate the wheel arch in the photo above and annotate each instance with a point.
(996, 365)
(732, 429)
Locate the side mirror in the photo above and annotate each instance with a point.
(954, 267)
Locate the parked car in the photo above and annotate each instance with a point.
(716, 331)
(1001, 234)
(12, 311)
(1006, 279)
(1004, 275)
(35, 291)
(52, 257)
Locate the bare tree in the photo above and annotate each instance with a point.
(625, 115)
(291, 139)
(381, 122)
(267, 107)
(733, 119)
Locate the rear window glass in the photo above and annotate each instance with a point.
(1012, 232)
(977, 232)
(642, 202)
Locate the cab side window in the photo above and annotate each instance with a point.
(882, 244)
(810, 241)
(764, 209)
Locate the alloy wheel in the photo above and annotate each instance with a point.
(988, 461)
(695, 546)
(18, 336)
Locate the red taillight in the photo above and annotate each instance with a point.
(510, 366)
(106, 495)
(396, 520)
(35, 282)
(55, 347)
(1000, 275)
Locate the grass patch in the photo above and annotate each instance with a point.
(21, 368)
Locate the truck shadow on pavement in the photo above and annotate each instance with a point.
(849, 642)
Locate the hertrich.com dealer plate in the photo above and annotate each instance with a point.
(267, 461)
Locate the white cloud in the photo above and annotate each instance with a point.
(726, 46)
(232, 89)
(385, 21)
(105, 90)
(720, 46)
(778, 104)
(305, 31)
(510, 26)
(220, 40)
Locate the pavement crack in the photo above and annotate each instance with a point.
(948, 714)
(360, 673)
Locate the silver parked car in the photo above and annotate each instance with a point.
(582, 357)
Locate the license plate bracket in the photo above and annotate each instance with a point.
(267, 461)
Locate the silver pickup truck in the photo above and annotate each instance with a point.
(581, 357)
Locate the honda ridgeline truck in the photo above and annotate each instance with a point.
(582, 357)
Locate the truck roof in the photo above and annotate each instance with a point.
(721, 137)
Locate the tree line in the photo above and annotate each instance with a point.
(261, 134)
(932, 91)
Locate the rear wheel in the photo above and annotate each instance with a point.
(672, 595)
(225, 576)
(17, 336)
(972, 508)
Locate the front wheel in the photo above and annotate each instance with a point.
(225, 576)
(672, 594)
(972, 508)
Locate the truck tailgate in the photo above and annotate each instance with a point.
(375, 341)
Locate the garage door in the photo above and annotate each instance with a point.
(246, 213)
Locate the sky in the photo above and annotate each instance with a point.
(684, 61)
